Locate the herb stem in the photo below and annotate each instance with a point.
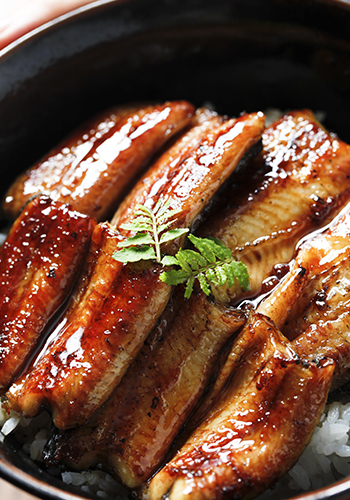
(156, 237)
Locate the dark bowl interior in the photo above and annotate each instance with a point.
(241, 55)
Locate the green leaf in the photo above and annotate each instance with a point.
(204, 245)
(189, 287)
(164, 226)
(220, 275)
(230, 274)
(183, 261)
(168, 215)
(211, 276)
(158, 205)
(174, 277)
(141, 219)
(210, 263)
(138, 239)
(195, 259)
(169, 260)
(161, 207)
(143, 210)
(203, 283)
(173, 234)
(137, 226)
(134, 254)
(220, 250)
(241, 274)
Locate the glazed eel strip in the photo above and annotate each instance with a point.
(39, 262)
(92, 168)
(306, 183)
(319, 323)
(133, 431)
(115, 306)
(257, 427)
(311, 303)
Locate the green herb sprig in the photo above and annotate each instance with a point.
(211, 262)
(150, 227)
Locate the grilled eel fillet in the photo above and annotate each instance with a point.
(319, 322)
(92, 168)
(257, 427)
(39, 262)
(115, 306)
(307, 181)
(245, 440)
(134, 430)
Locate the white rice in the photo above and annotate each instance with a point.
(325, 460)
(33, 435)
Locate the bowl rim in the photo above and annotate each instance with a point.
(97, 4)
(57, 21)
(34, 486)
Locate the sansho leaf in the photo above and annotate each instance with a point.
(189, 287)
(241, 274)
(203, 283)
(204, 246)
(174, 277)
(173, 234)
(161, 207)
(181, 257)
(169, 260)
(134, 254)
(220, 275)
(138, 239)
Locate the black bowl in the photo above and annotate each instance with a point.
(241, 55)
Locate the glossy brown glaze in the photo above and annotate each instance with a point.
(92, 346)
(192, 170)
(133, 431)
(256, 428)
(311, 305)
(92, 168)
(67, 377)
(139, 436)
(307, 180)
(319, 322)
(39, 262)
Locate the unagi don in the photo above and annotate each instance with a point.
(133, 432)
(115, 306)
